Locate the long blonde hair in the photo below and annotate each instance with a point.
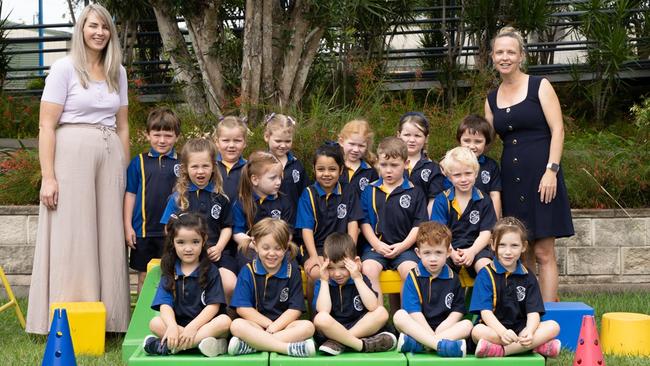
(111, 55)
(360, 127)
(193, 146)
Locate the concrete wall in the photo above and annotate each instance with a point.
(609, 248)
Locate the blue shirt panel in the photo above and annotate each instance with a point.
(294, 179)
(427, 176)
(360, 179)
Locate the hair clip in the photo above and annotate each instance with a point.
(290, 119)
(330, 143)
(221, 118)
(269, 117)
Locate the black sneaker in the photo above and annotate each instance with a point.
(382, 342)
(153, 346)
(331, 347)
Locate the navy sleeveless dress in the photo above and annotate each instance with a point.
(526, 144)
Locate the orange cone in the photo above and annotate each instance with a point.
(588, 352)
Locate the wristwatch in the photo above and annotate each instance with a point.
(553, 167)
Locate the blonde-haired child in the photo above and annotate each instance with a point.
(356, 139)
(230, 138)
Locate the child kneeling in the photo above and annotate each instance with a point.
(433, 302)
(348, 309)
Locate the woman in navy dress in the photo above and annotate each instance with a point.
(525, 112)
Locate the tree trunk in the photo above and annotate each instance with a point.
(268, 83)
(293, 54)
(246, 49)
(179, 56)
(252, 60)
(311, 49)
(129, 40)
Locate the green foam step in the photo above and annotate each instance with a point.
(345, 358)
(432, 359)
(141, 358)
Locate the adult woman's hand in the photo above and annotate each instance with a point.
(48, 121)
(49, 194)
(547, 186)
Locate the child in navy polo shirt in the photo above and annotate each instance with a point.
(393, 208)
(150, 179)
(199, 189)
(433, 303)
(230, 138)
(348, 310)
(269, 297)
(508, 299)
(189, 296)
(422, 172)
(278, 133)
(466, 210)
(356, 139)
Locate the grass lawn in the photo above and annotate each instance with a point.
(17, 348)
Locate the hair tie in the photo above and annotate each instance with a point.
(331, 143)
(269, 117)
(221, 118)
(290, 119)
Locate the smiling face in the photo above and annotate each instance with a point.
(188, 244)
(271, 253)
(507, 55)
(462, 177)
(354, 147)
(280, 142)
(268, 183)
(433, 256)
(413, 137)
(473, 141)
(199, 168)
(509, 250)
(162, 141)
(97, 33)
(327, 172)
(230, 143)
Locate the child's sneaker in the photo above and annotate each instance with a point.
(332, 347)
(382, 342)
(449, 348)
(549, 349)
(487, 349)
(238, 347)
(302, 349)
(407, 344)
(212, 347)
(153, 346)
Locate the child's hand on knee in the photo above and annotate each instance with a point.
(456, 257)
(171, 337)
(526, 337)
(186, 338)
(509, 336)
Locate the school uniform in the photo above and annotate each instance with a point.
(271, 295)
(151, 177)
(511, 296)
(465, 227)
(216, 209)
(230, 176)
(327, 213)
(427, 176)
(277, 207)
(347, 307)
(295, 179)
(392, 216)
(189, 298)
(359, 179)
(434, 297)
(489, 176)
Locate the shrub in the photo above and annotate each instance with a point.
(18, 116)
(20, 177)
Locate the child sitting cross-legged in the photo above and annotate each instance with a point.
(348, 309)
(433, 302)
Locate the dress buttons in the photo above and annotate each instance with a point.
(514, 141)
(517, 180)
(522, 198)
(509, 128)
(515, 161)
(508, 110)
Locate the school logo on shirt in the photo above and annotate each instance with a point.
(425, 174)
(341, 211)
(485, 177)
(405, 201)
(363, 183)
(276, 214)
(474, 217)
(521, 293)
(177, 170)
(216, 211)
(358, 305)
(449, 299)
(284, 294)
(203, 299)
(295, 175)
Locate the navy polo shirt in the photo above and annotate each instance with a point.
(393, 215)
(511, 296)
(359, 179)
(347, 306)
(294, 179)
(190, 298)
(465, 227)
(277, 207)
(230, 177)
(327, 213)
(151, 177)
(213, 206)
(489, 176)
(434, 297)
(427, 176)
(271, 295)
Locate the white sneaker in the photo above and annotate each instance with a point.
(239, 347)
(212, 347)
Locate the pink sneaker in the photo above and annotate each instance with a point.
(487, 349)
(549, 349)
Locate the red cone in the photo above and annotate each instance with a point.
(588, 352)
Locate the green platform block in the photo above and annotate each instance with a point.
(139, 326)
(432, 359)
(344, 359)
(141, 358)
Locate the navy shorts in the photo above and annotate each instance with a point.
(228, 261)
(388, 263)
(484, 253)
(302, 255)
(145, 250)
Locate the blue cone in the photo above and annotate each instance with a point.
(59, 350)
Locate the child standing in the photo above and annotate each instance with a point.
(269, 297)
(356, 139)
(278, 134)
(199, 189)
(508, 299)
(150, 179)
(467, 211)
(421, 171)
(393, 208)
(230, 138)
(348, 310)
(433, 303)
(189, 297)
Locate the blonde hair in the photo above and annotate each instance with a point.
(459, 156)
(511, 32)
(279, 231)
(276, 122)
(193, 146)
(259, 162)
(392, 147)
(506, 225)
(111, 55)
(360, 127)
(231, 122)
